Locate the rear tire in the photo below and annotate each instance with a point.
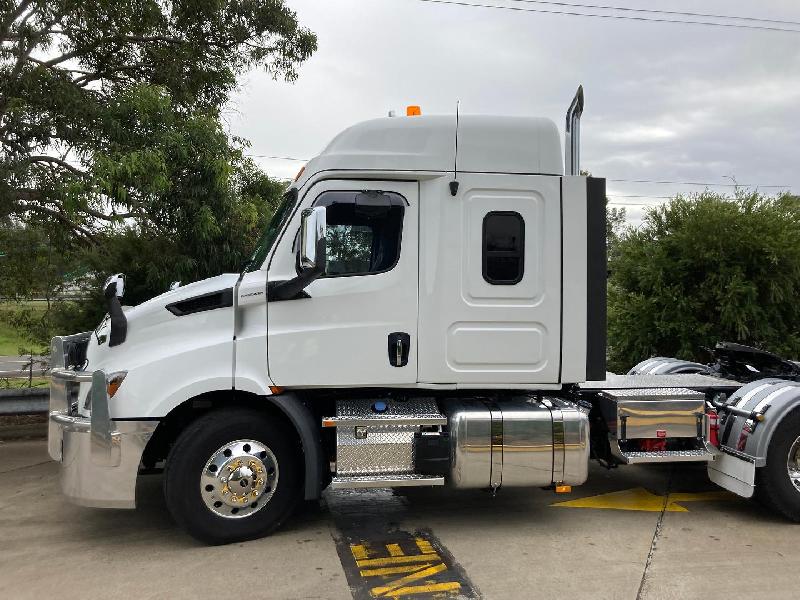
(232, 475)
(778, 483)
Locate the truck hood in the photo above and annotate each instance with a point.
(150, 324)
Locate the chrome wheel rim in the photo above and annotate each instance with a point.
(239, 479)
(793, 464)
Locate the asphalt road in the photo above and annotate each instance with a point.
(665, 533)
(15, 366)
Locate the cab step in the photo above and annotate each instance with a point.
(384, 481)
(666, 456)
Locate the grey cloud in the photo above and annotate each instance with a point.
(664, 102)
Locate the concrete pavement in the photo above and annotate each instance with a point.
(513, 545)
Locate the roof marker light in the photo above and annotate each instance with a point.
(413, 111)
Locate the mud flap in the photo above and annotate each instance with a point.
(734, 474)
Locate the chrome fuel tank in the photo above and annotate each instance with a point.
(517, 442)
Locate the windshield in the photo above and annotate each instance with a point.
(271, 233)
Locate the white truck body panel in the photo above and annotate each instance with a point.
(574, 290)
(250, 349)
(486, 144)
(168, 358)
(474, 332)
(464, 331)
(338, 336)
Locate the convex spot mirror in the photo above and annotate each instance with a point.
(312, 239)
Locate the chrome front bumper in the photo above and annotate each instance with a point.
(99, 457)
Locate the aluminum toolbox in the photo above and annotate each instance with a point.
(371, 443)
(653, 413)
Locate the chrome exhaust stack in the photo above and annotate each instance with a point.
(572, 143)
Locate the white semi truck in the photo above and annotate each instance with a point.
(426, 308)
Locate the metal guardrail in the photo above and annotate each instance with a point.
(24, 401)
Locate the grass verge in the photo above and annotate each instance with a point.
(14, 339)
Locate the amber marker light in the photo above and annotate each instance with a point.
(276, 389)
(113, 382)
(413, 111)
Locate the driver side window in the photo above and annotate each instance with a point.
(364, 231)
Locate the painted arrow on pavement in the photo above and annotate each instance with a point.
(640, 499)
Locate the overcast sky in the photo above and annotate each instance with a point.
(663, 101)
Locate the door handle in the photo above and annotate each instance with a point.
(399, 346)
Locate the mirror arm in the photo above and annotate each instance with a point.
(119, 322)
(293, 289)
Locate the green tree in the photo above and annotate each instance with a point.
(111, 138)
(94, 96)
(703, 269)
(29, 264)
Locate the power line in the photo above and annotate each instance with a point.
(700, 183)
(659, 12)
(647, 181)
(605, 16)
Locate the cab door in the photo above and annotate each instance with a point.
(357, 324)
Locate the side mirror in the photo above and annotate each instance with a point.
(113, 289)
(312, 251)
(311, 257)
(114, 286)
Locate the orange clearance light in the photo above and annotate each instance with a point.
(276, 389)
(563, 489)
(413, 111)
(113, 382)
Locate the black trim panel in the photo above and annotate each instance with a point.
(202, 303)
(596, 275)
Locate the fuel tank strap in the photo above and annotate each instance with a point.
(496, 472)
(558, 441)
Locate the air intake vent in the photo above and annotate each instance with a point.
(211, 301)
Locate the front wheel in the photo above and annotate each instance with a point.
(232, 475)
(778, 484)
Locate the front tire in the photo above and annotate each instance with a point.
(232, 475)
(778, 484)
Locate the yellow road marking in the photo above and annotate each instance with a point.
(398, 583)
(359, 551)
(449, 586)
(396, 560)
(395, 550)
(424, 546)
(639, 499)
(393, 570)
(398, 574)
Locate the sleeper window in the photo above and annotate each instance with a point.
(503, 248)
(363, 233)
